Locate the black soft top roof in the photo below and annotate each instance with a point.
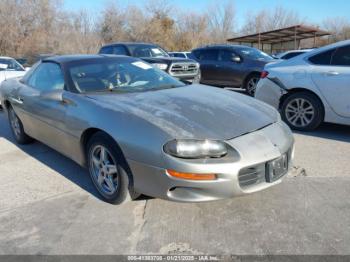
(67, 59)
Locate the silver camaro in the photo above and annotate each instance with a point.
(140, 131)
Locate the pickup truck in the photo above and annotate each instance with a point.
(186, 70)
(10, 68)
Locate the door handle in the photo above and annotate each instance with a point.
(332, 73)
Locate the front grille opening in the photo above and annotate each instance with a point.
(185, 68)
(251, 176)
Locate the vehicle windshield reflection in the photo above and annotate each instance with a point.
(121, 77)
(147, 51)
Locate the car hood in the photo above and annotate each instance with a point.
(194, 111)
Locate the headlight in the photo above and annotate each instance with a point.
(191, 148)
(160, 66)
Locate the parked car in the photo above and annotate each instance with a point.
(290, 54)
(188, 55)
(23, 61)
(9, 68)
(139, 130)
(311, 88)
(182, 68)
(231, 65)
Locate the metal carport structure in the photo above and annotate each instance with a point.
(290, 35)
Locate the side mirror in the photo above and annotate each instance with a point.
(54, 95)
(236, 59)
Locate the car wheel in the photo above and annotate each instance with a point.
(17, 128)
(303, 111)
(108, 170)
(250, 84)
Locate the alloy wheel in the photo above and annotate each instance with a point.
(251, 85)
(299, 112)
(104, 170)
(15, 123)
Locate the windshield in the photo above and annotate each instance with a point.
(120, 76)
(147, 51)
(255, 54)
(10, 65)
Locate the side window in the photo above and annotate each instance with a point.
(47, 76)
(14, 65)
(322, 58)
(291, 55)
(209, 55)
(106, 50)
(226, 55)
(28, 75)
(341, 57)
(180, 55)
(119, 50)
(197, 54)
(191, 56)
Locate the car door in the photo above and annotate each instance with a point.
(43, 117)
(229, 72)
(208, 59)
(332, 77)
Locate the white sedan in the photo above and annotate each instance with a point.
(290, 54)
(311, 88)
(10, 68)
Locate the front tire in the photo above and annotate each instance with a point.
(108, 170)
(251, 83)
(302, 111)
(17, 128)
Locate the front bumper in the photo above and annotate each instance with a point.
(188, 78)
(252, 152)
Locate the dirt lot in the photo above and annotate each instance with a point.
(49, 206)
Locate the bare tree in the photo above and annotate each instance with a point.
(192, 31)
(339, 27)
(221, 18)
(269, 20)
(159, 8)
(31, 27)
(112, 23)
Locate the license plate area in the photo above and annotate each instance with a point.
(276, 168)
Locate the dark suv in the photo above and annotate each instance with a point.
(186, 70)
(231, 65)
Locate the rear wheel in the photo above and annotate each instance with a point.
(108, 170)
(17, 128)
(250, 84)
(303, 111)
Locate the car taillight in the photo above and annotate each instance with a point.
(264, 74)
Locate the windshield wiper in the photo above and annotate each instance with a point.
(166, 87)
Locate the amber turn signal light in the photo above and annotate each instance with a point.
(191, 176)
